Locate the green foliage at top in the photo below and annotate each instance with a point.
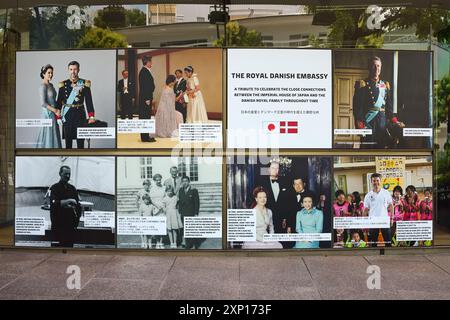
(443, 99)
(47, 27)
(116, 16)
(239, 36)
(102, 38)
(348, 27)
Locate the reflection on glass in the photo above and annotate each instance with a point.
(10, 40)
(175, 25)
(441, 28)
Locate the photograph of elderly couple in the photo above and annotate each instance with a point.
(59, 200)
(170, 187)
(288, 194)
(363, 190)
(171, 86)
(59, 92)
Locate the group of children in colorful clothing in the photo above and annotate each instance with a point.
(407, 207)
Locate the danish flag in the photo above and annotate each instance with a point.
(281, 127)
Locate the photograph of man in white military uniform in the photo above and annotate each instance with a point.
(157, 197)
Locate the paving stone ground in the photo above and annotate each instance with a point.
(30, 275)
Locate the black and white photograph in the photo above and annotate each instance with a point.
(280, 202)
(65, 99)
(169, 202)
(65, 202)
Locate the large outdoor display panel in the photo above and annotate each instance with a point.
(65, 99)
(383, 201)
(169, 202)
(382, 99)
(279, 98)
(65, 202)
(279, 202)
(169, 98)
(164, 99)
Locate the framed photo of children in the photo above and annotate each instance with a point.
(382, 201)
(169, 202)
(280, 202)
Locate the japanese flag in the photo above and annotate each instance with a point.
(281, 127)
(271, 127)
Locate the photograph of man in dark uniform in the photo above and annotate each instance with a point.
(372, 109)
(125, 88)
(189, 206)
(275, 187)
(146, 89)
(73, 94)
(180, 88)
(65, 209)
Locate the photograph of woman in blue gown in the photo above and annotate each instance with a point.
(48, 137)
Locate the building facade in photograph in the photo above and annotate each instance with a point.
(205, 177)
(353, 172)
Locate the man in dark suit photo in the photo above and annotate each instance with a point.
(146, 89)
(180, 88)
(65, 209)
(189, 206)
(126, 92)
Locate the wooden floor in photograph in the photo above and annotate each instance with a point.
(133, 141)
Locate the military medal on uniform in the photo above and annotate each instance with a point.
(73, 97)
(379, 104)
